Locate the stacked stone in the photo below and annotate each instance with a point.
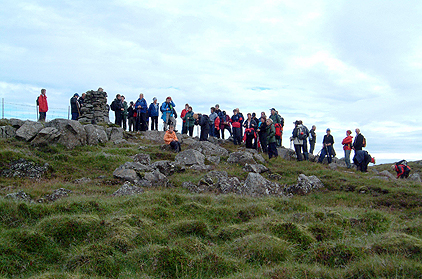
(95, 108)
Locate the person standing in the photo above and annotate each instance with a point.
(190, 121)
(327, 147)
(250, 126)
(42, 105)
(347, 147)
(124, 113)
(297, 140)
(117, 107)
(74, 106)
(278, 123)
(312, 139)
(167, 108)
(262, 133)
(182, 115)
(236, 122)
(81, 100)
(131, 116)
(203, 121)
(359, 142)
(272, 147)
(141, 111)
(153, 112)
(213, 116)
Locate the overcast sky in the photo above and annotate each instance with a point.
(337, 64)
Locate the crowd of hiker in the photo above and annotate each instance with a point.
(264, 133)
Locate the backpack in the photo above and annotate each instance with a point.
(364, 142)
(113, 105)
(38, 103)
(402, 162)
(303, 133)
(174, 113)
(278, 129)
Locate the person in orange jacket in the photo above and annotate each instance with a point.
(347, 147)
(42, 105)
(170, 138)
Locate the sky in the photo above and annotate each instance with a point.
(335, 64)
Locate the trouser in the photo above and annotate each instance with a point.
(237, 135)
(124, 120)
(347, 158)
(75, 115)
(263, 141)
(305, 150)
(170, 120)
(225, 127)
(212, 130)
(131, 124)
(154, 123)
(143, 121)
(118, 118)
(184, 128)
(204, 133)
(175, 145)
(249, 140)
(272, 150)
(191, 130)
(298, 149)
(325, 151)
(312, 147)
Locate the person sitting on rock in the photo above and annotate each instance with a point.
(361, 159)
(401, 168)
(171, 139)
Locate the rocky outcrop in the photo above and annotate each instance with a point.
(190, 157)
(18, 196)
(415, 177)
(142, 158)
(257, 168)
(217, 182)
(305, 185)
(153, 179)
(128, 189)
(387, 174)
(208, 148)
(46, 136)
(165, 167)
(24, 168)
(29, 130)
(241, 158)
(57, 194)
(16, 123)
(256, 185)
(95, 134)
(7, 132)
(114, 133)
(72, 133)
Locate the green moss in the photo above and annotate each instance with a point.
(189, 227)
(334, 255)
(400, 245)
(291, 232)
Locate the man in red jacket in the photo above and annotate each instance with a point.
(347, 147)
(42, 105)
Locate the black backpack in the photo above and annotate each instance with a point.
(303, 133)
(113, 105)
(402, 162)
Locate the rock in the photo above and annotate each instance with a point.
(126, 174)
(251, 150)
(275, 176)
(72, 133)
(166, 147)
(120, 142)
(19, 196)
(58, 194)
(380, 177)
(201, 167)
(128, 190)
(165, 167)
(191, 187)
(114, 133)
(24, 168)
(305, 185)
(95, 134)
(208, 148)
(7, 132)
(154, 136)
(386, 173)
(217, 181)
(154, 179)
(138, 167)
(333, 166)
(142, 158)
(256, 185)
(258, 157)
(82, 180)
(189, 157)
(257, 168)
(46, 136)
(214, 159)
(16, 123)
(241, 158)
(286, 153)
(29, 130)
(415, 177)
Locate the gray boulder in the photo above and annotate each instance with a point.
(46, 136)
(29, 130)
(165, 167)
(142, 158)
(114, 133)
(201, 167)
(128, 190)
(258, 157)
(24, 168)
(18, 196)
(153, 179)
(58, 194)
(138, 167)
(7, 132)
(218, 182)
(256, 185)
(16, 123)
(189, 157)
(208, 148)
(126, 174)
(286, 153)
(241, 158)
(305, 185)
(214, 159)
(257, 168)
(95, 134)
(387, 174)
(415, 177)
(72, 133)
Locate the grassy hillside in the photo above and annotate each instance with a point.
(356, 227)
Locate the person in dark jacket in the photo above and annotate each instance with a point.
(203, 121)
(142, 113)
(81, 100)
(362, 159)
(74, 106)
(262, 133)
(167, 110)
(358, 143)
(312, 139)
(153, 112)
(297, 142)
(250, 126)
(272, 147)
(327, 147)
(224, 123)
(124, 113)
(236, 122)
(118, 108)
(131, 119)
(402, 169)
(189, 121)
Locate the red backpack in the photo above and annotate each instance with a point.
(278, 129)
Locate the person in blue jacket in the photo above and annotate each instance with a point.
(167, 108)
(141, 111)
(153, 112)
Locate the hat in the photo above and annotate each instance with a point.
(154, 99)
(272, 109)
(373, 160)
(328, 129)
(168, 98)
(76, 95)
(349, 132)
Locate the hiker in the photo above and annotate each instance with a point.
(171, 139)
(190, 121)
(220, 119)
(250, 135)
(312, 139)
(212, 118)
(153, 112)
(255, 142)
(42, 105)
(81, 100)
(272, 148)
(167, 109)
(203, 121)
(182, 115)
(362, 159)
(124, 112)
(131, 116)
(347, 147)
(299, 137)
(262, 133)
(74, 106)
(327, 147)
(224, 123)
(236, 122)
(278, 124)
(117, 107)
(141, 113)
(359, 142)
(401, 168)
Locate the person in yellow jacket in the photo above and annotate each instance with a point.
(170, 138)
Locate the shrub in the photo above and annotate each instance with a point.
(372, 221)
(234, 231)
(189, 227)
(334, 255)
(399, 244)
(212, 265)
(291, 232)
(13, 261)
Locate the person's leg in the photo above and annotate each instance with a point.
(312, 144)
(124, 120)
(322, 155)
(191, 131)
(155, 119)
(305, 150)
(298, 152)
(329, 152)
(347, 158)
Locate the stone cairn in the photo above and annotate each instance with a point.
(95, 109)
